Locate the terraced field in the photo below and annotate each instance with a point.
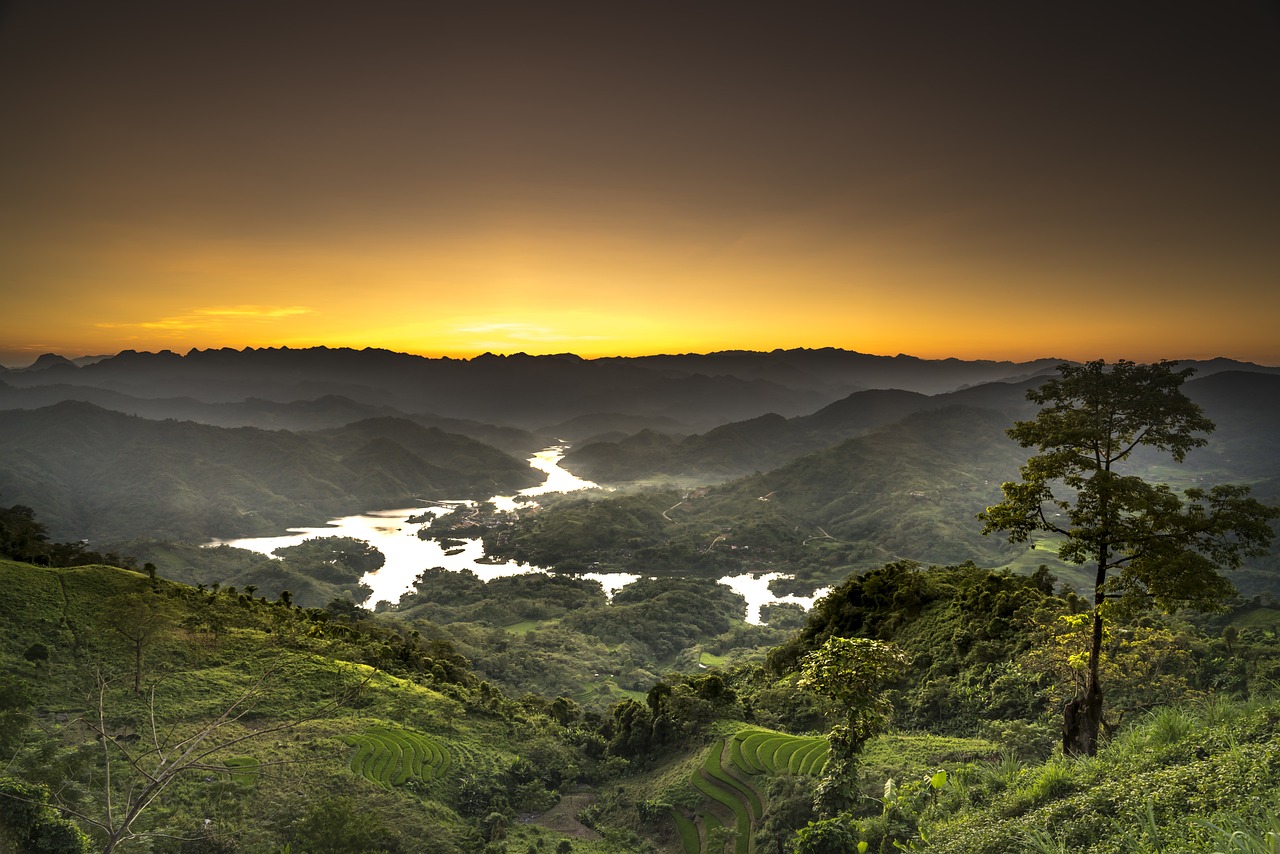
(391, 757)
(765, 752)
(732, 806)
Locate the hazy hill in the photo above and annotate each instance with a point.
(528, 391)
(600, 426)
(769, 441)
(908, 490)
(896, 487)
(104, 475)
(1245, 405)
(330, 410)
(838, 372)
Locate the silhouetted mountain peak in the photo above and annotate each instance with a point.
(50, 360)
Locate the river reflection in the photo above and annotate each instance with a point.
(407, 555)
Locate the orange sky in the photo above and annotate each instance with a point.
(974, 180)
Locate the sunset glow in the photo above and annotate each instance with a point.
(440, 184)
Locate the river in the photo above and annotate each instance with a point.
(391, 532)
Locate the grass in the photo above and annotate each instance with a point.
(244, 769)
(707, 659)
(397, 727)
(1194, 778)
(742, 822)
(765, 752)
(714, 766)
(690, 840)
(1262, 617)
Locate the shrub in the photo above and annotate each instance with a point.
(29, 818)
(1168, 726)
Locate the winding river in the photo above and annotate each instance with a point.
(391, 532)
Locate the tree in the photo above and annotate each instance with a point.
(16, 698)
(21, 536)
(29, 821)
(337, 825)
(853, 672)
(37, 654)
(141, 619)
(1147, 544)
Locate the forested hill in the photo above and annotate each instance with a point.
(104, 475)
(355, 732)
(909, 488)
(770, 440)
(1244, 405)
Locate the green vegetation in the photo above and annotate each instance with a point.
(1145, 544)
(910, 490)
(393, 757)
(1183, 779)
(767, 752)
(316, 572)
(452, 757)
(248, 717)
(244, 769)
(245, 703)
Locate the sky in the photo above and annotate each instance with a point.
(980, 180)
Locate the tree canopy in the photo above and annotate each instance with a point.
(1147, 543)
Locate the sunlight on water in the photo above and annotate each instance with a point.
(755, 589)
(407, 555)
(546, 461)
(390, 532)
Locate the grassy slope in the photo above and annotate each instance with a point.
(194, 678)
(1182, 780)
(1162, 778)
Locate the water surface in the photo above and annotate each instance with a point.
(407, 555)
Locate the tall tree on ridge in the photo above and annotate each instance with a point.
(1148, 544)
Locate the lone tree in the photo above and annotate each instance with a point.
(1148, 544)
(853, 672)
(141, 619)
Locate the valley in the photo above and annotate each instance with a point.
(624, 626)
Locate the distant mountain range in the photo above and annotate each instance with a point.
(226, 443)
(572, 397)
(1245, 405)
(691, 392)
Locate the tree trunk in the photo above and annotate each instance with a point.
(1082, 716)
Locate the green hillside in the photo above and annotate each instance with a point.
(109, 476)
(910, 491)
(313, 731)
(304, 728)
